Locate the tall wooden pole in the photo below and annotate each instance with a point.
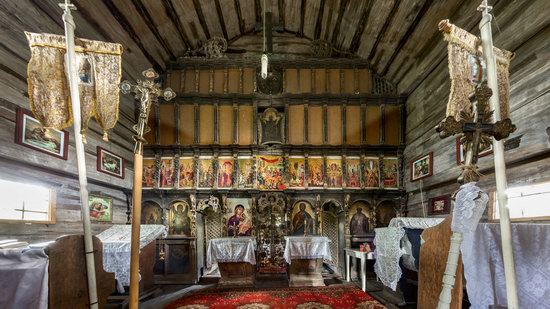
(147, 91)
(70, 63)
(500, 166)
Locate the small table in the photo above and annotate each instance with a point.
(236, 260)
(363, 256)
(304, 255)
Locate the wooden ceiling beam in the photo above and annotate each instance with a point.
(341, 11)
(281, 5)
(239, 17)
(302, 17)
(172, 15)
(407, 34)
(117, 14)
(383, 31)
(152, 26)
(258, 11)
(202, 20)
(319, 23)
(354, 46)
(220, 18)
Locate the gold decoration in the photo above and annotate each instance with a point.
(99, 72)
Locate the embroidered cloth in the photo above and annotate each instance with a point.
(484, 268)
(23, 278)
(116, 248)
(388, 253)
(470, 203)
(229, 249)
(307, 247)
(415, 223)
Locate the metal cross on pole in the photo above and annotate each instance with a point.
(147, 92)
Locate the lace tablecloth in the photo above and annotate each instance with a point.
(23, 279)
(229, 249)
(484, 268)
(116, 248)
(415, 223)
(307, 247)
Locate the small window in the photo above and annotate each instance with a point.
(26, 203)
(530, 202)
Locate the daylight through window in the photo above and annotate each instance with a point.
(527, 202)
(25, 202)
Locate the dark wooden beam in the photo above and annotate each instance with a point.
(239, 17)
(258, 11)
(281, 5)
(329, 19)
(341, 11)
(407, 34)
(220, 18)
(302, 17)
(383, 31)
(202, 20)
(174, 18)
(319, 23)
(142, 10)
(354, 46)
(132, 33)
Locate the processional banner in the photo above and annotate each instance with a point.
(99, 73)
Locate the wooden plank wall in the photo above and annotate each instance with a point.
(526, 33)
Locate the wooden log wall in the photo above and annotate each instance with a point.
(526, 33)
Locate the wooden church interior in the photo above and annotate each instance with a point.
(283, 145)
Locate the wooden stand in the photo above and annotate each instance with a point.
(239, 274)
(305, 272)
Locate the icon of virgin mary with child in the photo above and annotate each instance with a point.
(239, 224)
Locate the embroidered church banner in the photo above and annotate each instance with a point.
(99, 72)
(270, 173)
(466, 67)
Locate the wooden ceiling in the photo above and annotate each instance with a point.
(399, 38)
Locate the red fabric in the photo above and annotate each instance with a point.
(347, 296)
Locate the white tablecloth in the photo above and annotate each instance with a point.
(484, 268)
(116, 248)
(229, 249)
(307, 247)
(23, 279)
(415, 222)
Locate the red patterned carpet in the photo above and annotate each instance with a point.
(341, 296)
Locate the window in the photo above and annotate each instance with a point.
(527, 202)
(26, 203)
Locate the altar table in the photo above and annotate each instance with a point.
(363, 257)
(305, 255)
(236, 260)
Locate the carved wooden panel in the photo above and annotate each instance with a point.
(152, 124)
(349, 81)
(233, 85)
(305, 80)
(296, 124)
(248, 80)
(329, 228)
(204, 81)
(372, 124)
(219, 80)
(334, 123)
(187, 124)
(334, 80)
(320, 80)
(167, 124)
(315, 125)
(291, 78)
(206, 121)
(189, 80)
(246, 120)
(353, 124)
(392, 125)
(225, 125)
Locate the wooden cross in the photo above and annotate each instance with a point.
(477, 130)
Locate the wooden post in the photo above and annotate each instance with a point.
(500, 166)
(80, 155)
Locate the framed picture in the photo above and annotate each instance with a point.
(29, 132)
(101, 208)
(422, 167)
(461, 153)
(440, 205)
(110, 163)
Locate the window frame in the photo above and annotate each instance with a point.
(51, 210)
(492, 209)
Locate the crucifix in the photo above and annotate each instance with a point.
(147, 92)
(477, 130)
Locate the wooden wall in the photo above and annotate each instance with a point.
(524, 31)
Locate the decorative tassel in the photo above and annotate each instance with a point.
(105, 136)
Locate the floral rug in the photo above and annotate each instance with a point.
(341, 296)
